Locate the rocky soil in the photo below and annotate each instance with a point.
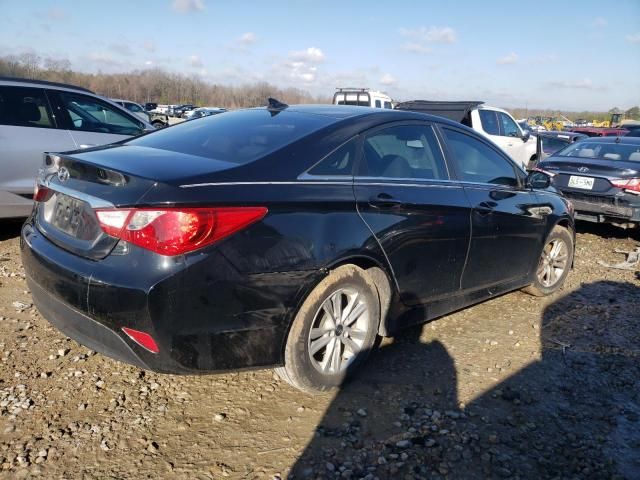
(517, 387)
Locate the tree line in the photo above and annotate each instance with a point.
(152, 85)
(160, 86)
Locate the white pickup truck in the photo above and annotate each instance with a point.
(494, 123)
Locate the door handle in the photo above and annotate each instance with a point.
(384, 200)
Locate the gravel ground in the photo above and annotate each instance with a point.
(517, 387)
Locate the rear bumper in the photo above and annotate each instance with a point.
(606, 209)
(205, 315)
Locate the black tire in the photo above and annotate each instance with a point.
(540, 287)
(302, 369)
(158, 124)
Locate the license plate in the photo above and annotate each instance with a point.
(584, 183)
(67, 214)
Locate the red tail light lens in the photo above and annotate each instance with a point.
(175, 231)
(143, 339)
(41, 193)
(632, 184)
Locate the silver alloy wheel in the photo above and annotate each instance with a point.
(553, 262)
(338, 331)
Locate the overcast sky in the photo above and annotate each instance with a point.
(571, 55)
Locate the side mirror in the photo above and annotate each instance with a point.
(526, 136)
(538, 180)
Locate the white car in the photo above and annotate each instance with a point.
(38, 116)
(203, 112)
(494, 123)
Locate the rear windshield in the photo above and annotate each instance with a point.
(238, 137)
(604, 151)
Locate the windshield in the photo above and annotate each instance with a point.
(601, 150)
(239, 137)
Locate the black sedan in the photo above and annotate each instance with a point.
(288, 236)
(601, 177)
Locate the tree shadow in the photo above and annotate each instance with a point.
(575, 413)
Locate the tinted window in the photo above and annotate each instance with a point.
(92, 115)
(133, 107)
(378, 104)
(477, 162)
(339, 162)
(509, 127)
(24, 107)
(407, 151)
(387, 105)
(489, 122)
(238, 137)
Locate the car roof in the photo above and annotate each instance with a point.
(30, 82)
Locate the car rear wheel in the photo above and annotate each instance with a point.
(333, 332)
(554, 264)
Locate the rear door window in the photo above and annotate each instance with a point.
(25, 107)
(489, 122)
(403, 152)
(477, 162)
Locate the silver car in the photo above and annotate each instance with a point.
(38, 116)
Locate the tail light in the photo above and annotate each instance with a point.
(41, 193)
(174, 231)
(632, 184)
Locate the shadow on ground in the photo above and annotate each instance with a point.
(573, 414)
(10, 228)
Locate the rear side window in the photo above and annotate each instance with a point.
(24, 107)
(477, 162)
(489, 122)
(338, 162)
(405, 151)
(239, 137)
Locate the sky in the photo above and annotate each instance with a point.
(562, 54)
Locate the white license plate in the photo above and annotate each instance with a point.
(585, 183)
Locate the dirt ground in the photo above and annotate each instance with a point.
(517, 387)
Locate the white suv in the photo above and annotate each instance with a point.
(38, 116)
(362, 97)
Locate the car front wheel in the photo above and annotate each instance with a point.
(554, 264)
(333, 332)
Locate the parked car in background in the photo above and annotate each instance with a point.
(553, 141)
(38, 116)
(601, 177)
(179, 110)
(289, 236)
(362, 97)
(532, 129)
(203, 112)
(134, 108)
(494, 123)
(150, 106)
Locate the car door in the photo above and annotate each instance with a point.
(418, 215)
(27, 129)
(93, 122)
(507, 220)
